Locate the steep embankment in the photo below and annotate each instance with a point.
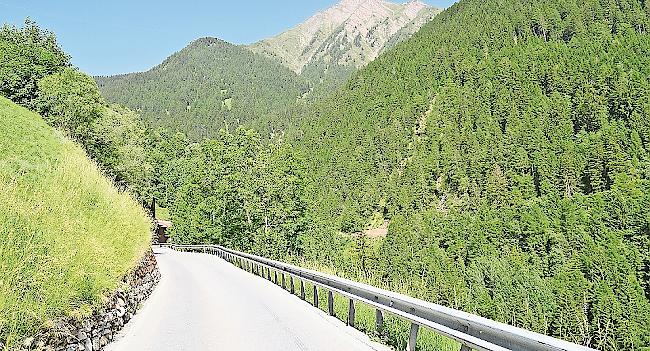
(507, 144)
(67, 236)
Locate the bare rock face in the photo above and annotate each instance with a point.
(350, 34)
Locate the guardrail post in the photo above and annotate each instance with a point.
(302, 289)
(284, 284)
(275, 277)
(379, 321)
(351, 313)
(330, 302)
(293, 289)
(315, 296)
(413, 337)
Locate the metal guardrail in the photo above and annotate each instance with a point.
(473, 332)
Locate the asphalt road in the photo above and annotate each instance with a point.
(205, 303)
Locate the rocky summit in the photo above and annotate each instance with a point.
(350, 34)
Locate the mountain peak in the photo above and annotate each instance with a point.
(350, 34)
(350, 3)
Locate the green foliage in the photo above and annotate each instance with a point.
(237, 192)
(121, 147)
(69, 100)
(113, 136)
(60, 248)
(208, 86)
(36, 73)
(26, 55)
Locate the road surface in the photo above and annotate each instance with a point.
(205, 303)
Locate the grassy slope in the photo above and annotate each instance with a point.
(67, 236)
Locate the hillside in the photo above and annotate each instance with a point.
(208, 85)
(67, 235)
(507, 145)
(329, 46)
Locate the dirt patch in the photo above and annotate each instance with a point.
(380, 232)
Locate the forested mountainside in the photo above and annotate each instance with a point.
(332, 44)
(207, 86)
(507, 145)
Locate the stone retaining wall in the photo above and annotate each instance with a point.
(96, 331)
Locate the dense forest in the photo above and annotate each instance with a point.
(208, 86)
(506, 144)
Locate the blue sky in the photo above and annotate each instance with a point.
(120, 36)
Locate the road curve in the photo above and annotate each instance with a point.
(205, 303)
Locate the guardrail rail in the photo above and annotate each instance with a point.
(471, 331)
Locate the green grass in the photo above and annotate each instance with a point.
(67, 236)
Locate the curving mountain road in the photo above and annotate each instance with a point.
(205, 303)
